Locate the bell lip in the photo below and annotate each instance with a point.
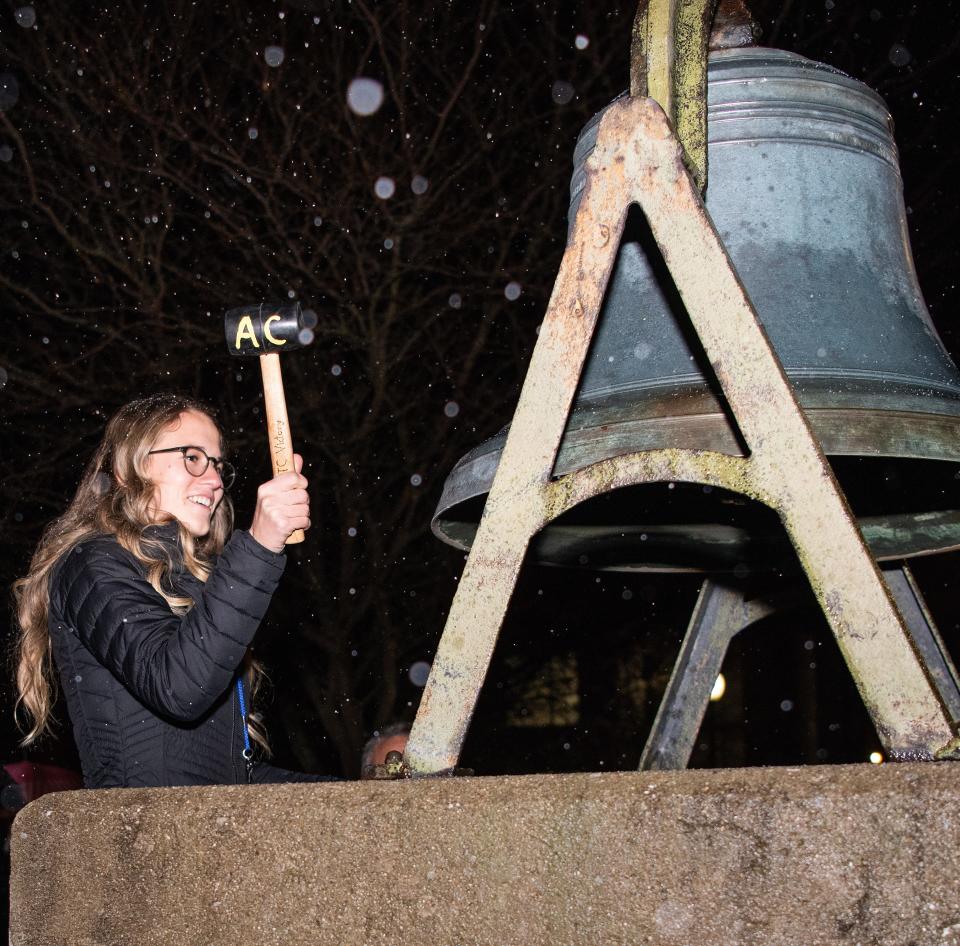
(903, 435)
(907, 435)
(719, 548)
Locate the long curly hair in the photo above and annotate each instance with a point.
(115, 497)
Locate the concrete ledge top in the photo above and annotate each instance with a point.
(814, 855)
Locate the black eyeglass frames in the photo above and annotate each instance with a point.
(197, 460)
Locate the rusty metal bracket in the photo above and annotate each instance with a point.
(638, 160)
(668, 63)
(394, 769)
(722, 611)
(720, 614)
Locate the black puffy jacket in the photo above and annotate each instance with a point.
(152, 695)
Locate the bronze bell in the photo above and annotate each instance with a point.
(805, 190)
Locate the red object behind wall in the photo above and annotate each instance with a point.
(34, 779)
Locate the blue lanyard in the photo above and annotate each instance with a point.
(247, 751)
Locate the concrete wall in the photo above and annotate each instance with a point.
(843, 854)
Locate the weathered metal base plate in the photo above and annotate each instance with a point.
(811, 856)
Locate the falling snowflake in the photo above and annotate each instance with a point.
(336, 371)
(512, 291)
(6, 153)
(9, 91)
(26, 17)
(581, 42)
(419, 673)
(451, 408)
(455, 300)
(899, 55)
(364, 96)
(274, 55)
(252, 134)
(562, 92)
(419, 184)
(416, 479)
(384, 187)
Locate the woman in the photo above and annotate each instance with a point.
(146, 605)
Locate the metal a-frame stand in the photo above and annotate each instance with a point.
(639, 160)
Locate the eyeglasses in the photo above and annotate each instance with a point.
(197, 461)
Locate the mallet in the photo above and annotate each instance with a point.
(264, 330)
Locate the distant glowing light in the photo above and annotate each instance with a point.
(719, 688)
(876, 757)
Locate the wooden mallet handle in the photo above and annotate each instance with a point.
(278, 426)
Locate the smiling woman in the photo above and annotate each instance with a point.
(146, 605)
(189, 487)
